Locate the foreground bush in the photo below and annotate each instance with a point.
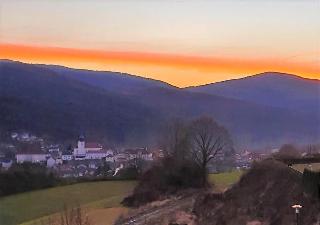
(165, 178)
(26, 177)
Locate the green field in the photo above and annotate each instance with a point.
(31, 205)
(222, 181)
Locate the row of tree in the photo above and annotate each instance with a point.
(26, 177)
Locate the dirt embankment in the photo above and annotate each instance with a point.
(262, 196)
(172, 210)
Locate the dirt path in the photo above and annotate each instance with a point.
(159, 213)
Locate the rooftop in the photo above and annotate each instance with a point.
(93, 145)
(30, 149)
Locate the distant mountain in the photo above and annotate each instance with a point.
(112, 81)
(270, 89)
(42, 101)
(61, 102)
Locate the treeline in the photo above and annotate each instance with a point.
(26, 177)
(30, 176)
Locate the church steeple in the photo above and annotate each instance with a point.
(81, 144)
(81, 138)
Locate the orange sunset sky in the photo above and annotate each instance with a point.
(183, 43)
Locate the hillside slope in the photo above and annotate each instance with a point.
(264, 195)
(271, 89)
(111, 81)
(44, 102)
(250, 122)
(62, 102)
(268, 201)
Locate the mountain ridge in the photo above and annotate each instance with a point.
(54, 67)
(267, 73)
(123, 109)
(152, 79)
(272, 89)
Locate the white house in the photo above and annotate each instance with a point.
(53, 148)
(98, 154)
(31, 155)
(139, 153)
(51, 162)
(121, 157)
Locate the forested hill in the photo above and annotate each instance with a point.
(61, 102)
(272, 89)
(45, 102)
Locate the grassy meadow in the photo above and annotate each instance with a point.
(101, 200)
(28, 206)
(221, 181)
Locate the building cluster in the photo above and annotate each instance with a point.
(25, 137)
(82, 160)
(244, 159)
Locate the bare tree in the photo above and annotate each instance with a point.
(209, 140)
(311, 150)
(74, 216)
(176, 141)
(69, 216)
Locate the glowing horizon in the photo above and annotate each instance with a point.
(153, 65)
(184, 43)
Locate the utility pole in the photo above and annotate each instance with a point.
(297, 211)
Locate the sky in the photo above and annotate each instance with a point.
(184, 43)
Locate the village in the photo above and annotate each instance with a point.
(82, 160)
(86, 158)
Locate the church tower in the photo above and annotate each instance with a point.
(81, 142)
(80, 151)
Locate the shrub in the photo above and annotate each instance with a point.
(130, 173)
(165, 178)
(26, 177)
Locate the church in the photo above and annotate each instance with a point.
(90, 150)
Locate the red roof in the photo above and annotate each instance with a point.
(29, 149)
(99, 151)
(93, 145)
(30, 152)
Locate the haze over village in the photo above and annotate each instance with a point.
(159, 112)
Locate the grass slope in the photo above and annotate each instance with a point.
(222, 181)
(31, 205)
(101, 200)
